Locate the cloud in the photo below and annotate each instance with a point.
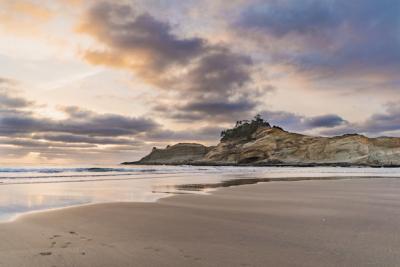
(8, 101)
(383, 122)
(219, 72)
(83, 133)
(27, 8)
(218, 107)
(335, 37)
(77, 112)
(92, 124)
(199, 74)
(207, 109)
(24, 17)
(377, 124)
(6, 81)
(295, 122)
(142, 41)
(207, 134)
(72, 138)
(328, 121)
(21, 127)
(29, 143)
(280, 18)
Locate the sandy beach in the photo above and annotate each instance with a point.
(303, 223)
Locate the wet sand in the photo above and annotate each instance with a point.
(301, 223)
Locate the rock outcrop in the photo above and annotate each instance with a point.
(182, 153)
(272, 146)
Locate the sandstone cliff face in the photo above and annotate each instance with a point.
(274, 146)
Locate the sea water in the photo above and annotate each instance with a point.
(30, 189)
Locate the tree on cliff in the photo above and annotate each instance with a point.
(244, 129)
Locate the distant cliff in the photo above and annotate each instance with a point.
(182, 153)
(251, 143)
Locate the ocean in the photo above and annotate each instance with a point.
(31, 189)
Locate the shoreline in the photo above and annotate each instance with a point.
(190, 189)
(343, 222)
(301, 165)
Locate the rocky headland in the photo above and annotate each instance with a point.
(257, 143)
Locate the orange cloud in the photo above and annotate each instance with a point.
(23, 17)
(34, 11)
(74, 2)
(105, 58)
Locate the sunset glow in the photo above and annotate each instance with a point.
(105, 81)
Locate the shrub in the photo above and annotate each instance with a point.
(244, 129)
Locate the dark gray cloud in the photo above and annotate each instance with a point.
(8, 97)
(83, 132)
(209, 110)
(199, 73)
(218, 107)
(219, 73)
(227, 112)
(294, 122)
(8, 101)
(120, 28)
(383, 122)
(91, 124)
(287, 120)
(77, 112)
(328, 121)
(331, 36)
(377, 124)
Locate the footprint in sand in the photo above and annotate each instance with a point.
(106, 245)
(187, 256)
(85, 239)
(154, 249)
(46, 253)
(66, 245)
(191, 257)
(54, 237)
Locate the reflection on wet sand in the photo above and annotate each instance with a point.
(248, 181)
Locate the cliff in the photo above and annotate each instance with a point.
(272, 146)
(182, 153)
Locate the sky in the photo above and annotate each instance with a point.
(101, 82)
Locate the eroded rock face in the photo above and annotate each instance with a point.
(274, 146)
(182, 153)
